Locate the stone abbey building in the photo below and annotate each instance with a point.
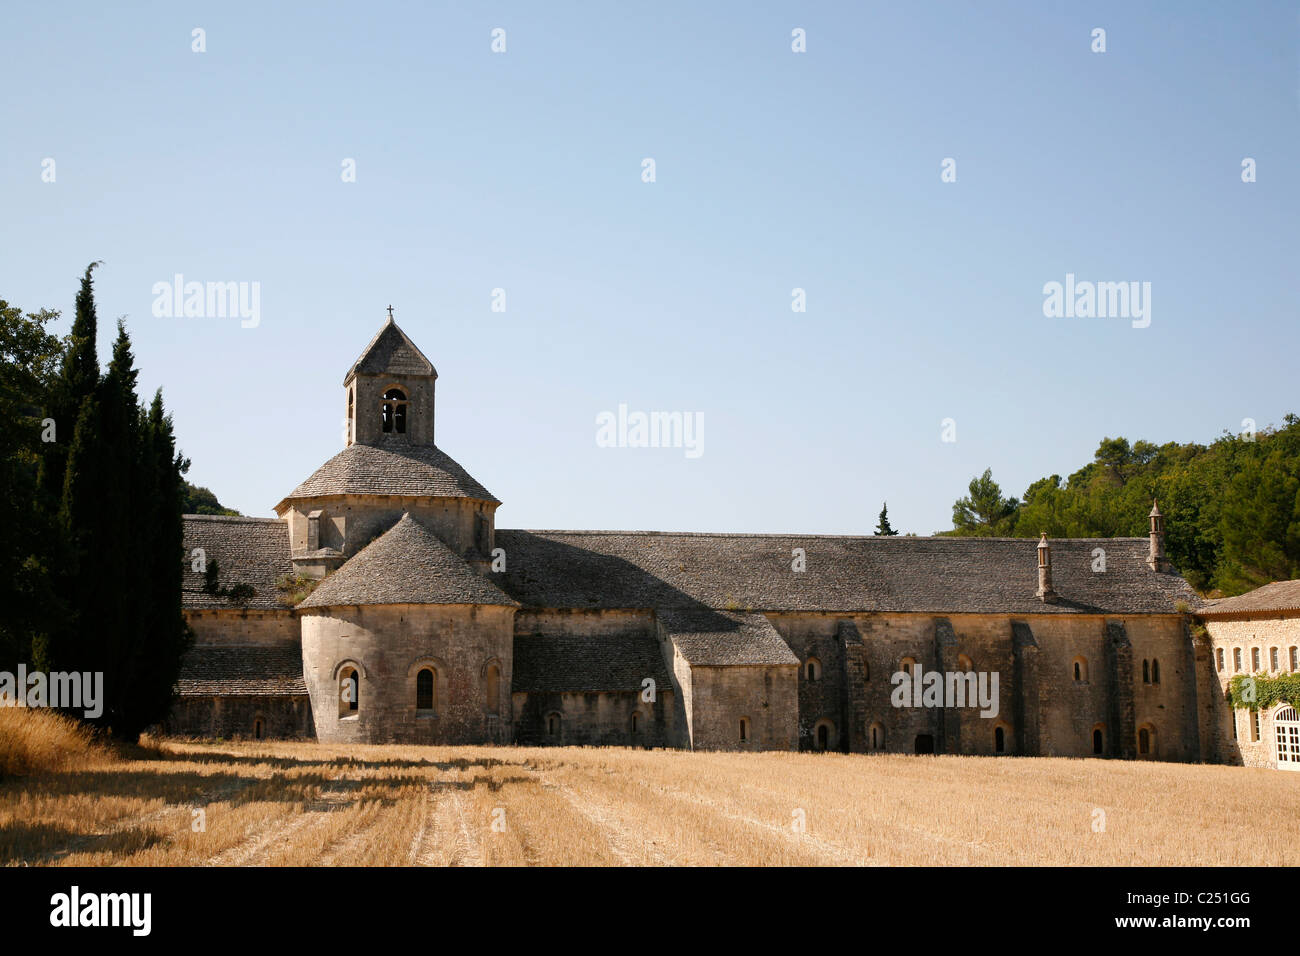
(384, 604)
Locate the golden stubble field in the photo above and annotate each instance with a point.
(275, 804)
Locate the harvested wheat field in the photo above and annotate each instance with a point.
(289, 804)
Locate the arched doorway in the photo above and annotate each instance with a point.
(1286, 731)
(823, 735)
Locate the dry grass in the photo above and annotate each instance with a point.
(268, 803)
(39, 741)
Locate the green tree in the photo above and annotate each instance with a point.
(984, 511)
(29, 362)
(197, 500)
(883, 527)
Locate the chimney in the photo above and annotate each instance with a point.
(1156, 559)
(1045, 592)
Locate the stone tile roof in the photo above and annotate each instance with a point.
(252, 551)
(391, 351)
(713, 638)
(395, 468)
(587, 664)
(407, 564)
(1278, 596)
(610, 569)
(242, 670)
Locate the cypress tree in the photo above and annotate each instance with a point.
(78, 378)
(118, 537)
(164, 637)
(884, 527)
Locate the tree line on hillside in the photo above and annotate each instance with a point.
(1232, 508)
(90, 529)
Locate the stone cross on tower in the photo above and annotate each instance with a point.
(390, 311)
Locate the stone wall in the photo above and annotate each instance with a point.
(1233, 739)
(767, 697)
(366, 395)
(389, 645)
(601, 719)
(249, 626)
(1053, 714)
(350, 522)
(236, 717)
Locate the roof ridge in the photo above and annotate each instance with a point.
(799, 534)
(234, 519)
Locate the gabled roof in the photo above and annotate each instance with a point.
(407, 564)
(939, 575)
(1278, 596)
(569, 664)
(391, 351)
(393, 469)
(242, 670)
(253, 551)
(715, 638)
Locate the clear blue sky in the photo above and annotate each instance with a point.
(775, 170)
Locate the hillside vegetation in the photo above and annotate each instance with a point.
(1232, 508)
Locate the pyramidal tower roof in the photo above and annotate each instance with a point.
(391, 351)
(407, 564)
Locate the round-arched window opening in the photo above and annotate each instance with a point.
(349, 692)
(425, 689)
(394, 411)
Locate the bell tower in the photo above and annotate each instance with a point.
(390, 392)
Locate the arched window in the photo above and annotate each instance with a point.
(636, 723)
(349, 692)
(259, 728)
(1080, 668)
(1236, 660)
(1272, 659)
(426, 694)
(1218, 657)
(1254, 660)
(999, 740)
(349, 418)
(824, 734)
(877, 736)
(1295, 658)
(1098, 740)
(907, 665)
(866, 668)
(1155, 671)
(1146, 672)
(1254, 726)
(1147, 741)
(813, 669)
(492, 688)
(394, 411)
(965, 664)
(553, 725)
(744, 727)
